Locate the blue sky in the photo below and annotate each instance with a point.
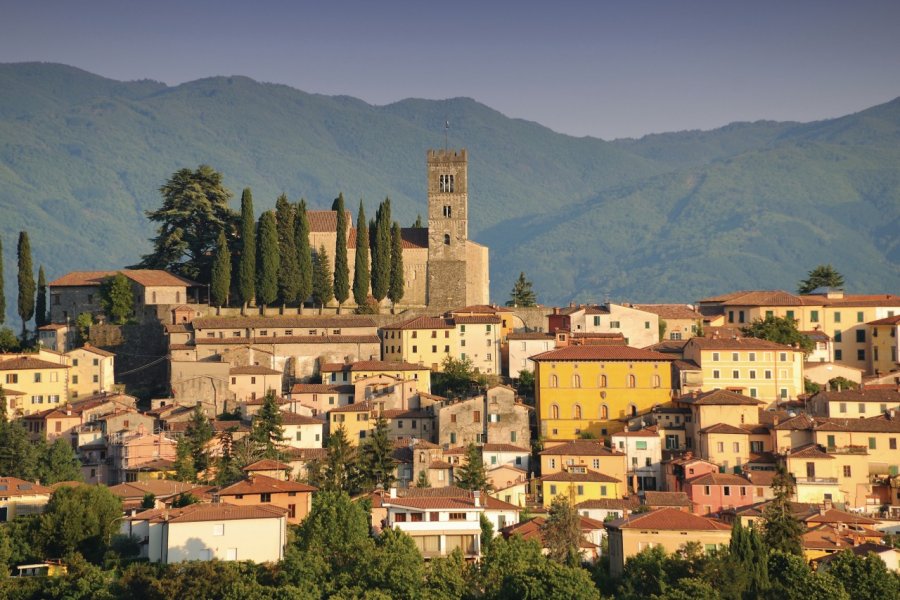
(608, 69)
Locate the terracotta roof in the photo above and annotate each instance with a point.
(260, 484)
(356, 407)
(741, 343)
(610, 503)
(833, 515)
(439, 464)
(305, 454)
(93, 350)
(532, 529)
(719, 479)
(27, 363)
(669, 311)
(321, 388)
(292, 418)
(504, 448)
(422, 323)
(50, 413)
(646, 432)
(719, 398)
(666, 499)
(209, 512)
(668, 519)
(588, 475)
(864, 394)
(600, 353)
(581, 448)
(879, 424)
(178, 327)
(849, 300)
(371, 365)
(817, 335)
(810, 451)
(861, 550)
(758, 477)
(480, 309)
(267, 464)
(13, 486)
(724, 428)
(687, 365)
(281, 321)
(52, 327)
(161, 488)
(436, 502)
(292, 339)
(895, 320)
(757, 298)
(253, 370)
(418, 444)
(144, 277)
(406, 413)
(325, 220)
(669, 346)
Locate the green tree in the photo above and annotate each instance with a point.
(194, 211)
(864, 577)
(19, 457)
(361, 266)
(288, 269)
(267, 259)
(228, 470)
(26, 282)
(525, 385)
(341, 472)
(83, 519)
(842, 383)
(341, 264)
(192, 452)
(58, 462)
(471, 476)
(782, 531)
(780, 330)
(822, 276)
(792, 579)
(487, 532)
(83, 323)
(247, 268)
(117, 298)
(41, 317)
(395, 289)
(221, 272)
(376, 456)
(267, 426)
(457, 377)
(304, 253)
(149, 501)
(381, 251)
(422, 480)
(562, 532)
(322, 292)
(4, 415)
(395, 567)
(522, 293)
(448, 578)
(8, 340)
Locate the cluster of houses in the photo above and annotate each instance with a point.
(660, 423)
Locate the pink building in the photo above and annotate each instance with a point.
(714, 492)
(680, 470)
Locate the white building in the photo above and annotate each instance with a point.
(643, 455)
(496, 455)
(301, 431)
(522, 346)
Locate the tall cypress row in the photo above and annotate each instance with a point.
(395, 290)
(2, 293)
(381, 251)
(341, 267)
(247, 269)
(361, 266)
(268, 260)
(40, 312)
(221, 272)
(26, 281)
(304, 253)
(288, 271)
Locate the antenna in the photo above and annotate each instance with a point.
(446, 133)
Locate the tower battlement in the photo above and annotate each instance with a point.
(445, 156)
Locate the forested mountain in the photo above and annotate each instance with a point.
(667, 217)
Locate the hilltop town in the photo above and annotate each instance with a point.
(254, 389)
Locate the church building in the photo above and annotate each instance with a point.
(442, 267)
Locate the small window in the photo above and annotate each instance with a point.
(446, 239)
(219, 528)
(847, 471)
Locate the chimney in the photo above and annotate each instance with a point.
(393, 493)
(476, 497)
(775, 420)
(827, 504)
(555, 310)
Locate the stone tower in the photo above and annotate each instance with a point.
(448, 228)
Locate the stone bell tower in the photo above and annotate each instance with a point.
(448, 228)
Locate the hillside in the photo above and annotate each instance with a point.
(670, 216)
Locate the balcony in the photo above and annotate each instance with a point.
(816, 480)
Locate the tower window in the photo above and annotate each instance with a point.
(448, 211)
(446, 182)
(447, 239)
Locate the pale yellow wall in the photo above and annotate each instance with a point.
(880, 458)
(353, 423)
(762, 378)
(733, 451)
(481, 345)
(625, 543)
(259, 540)
(427, 347)
(640, 328)
(421, 376)
(613, 465)
(18, 506)
(882, 354)
(162, 294)
(845, 477)
(735, 415)
(49, 392)
(248, 387)
(90, 373)
(590, 490)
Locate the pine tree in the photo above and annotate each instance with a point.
(267, 429)
(361, 267)
(381, 251)
(288, 270)
(782, 531)
(2, 288)
(198, 433)
(562, 532)
(322, 291)
(247, 269)
(227, 469)
(304, 253)
(26, 281)
(822, 276)
(341, 266)
(395, 290)
(418, 224)
(40, 312)
(341, 471)
(522, 293)
(221, 272)
(472, 476)
(4, 413)
(422, 480)
(376, 456)
(268, 260)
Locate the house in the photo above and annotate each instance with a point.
(676, 500)
(357, 421)
(429, 340)
(498, 455)
(822, 347)
(836, 475)
(32, 384)
(579, 484)
(417, 458)
(253, 382)
(301, 431)
(639, 328)
(509, 484)
(509, 320)
(495, 418)
(678, 470)
(259, 490)
(522, 346)
(322, 397)
(715, 492)
(92, 372)
(164, 492)
(19, 498)
(757, 368)
(669, 528)
(592, 389)
(590, 454)
(350, 372)
(676, 321)
(52, 424)
(405, 423)
(849, 404)
(267, 467)
(131, 451)
(56, 336)
(210, 531)
(604, 509)
(821, 373)
(592, 532)
(888, 554)
(643, 456)
(883, 343)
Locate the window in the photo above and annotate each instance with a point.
(736, 446)
(656, 381)
(646, 324)
(741, 316)
(434, 348)
(554, 381)
(726, 490)
(706, 490)
(731, 316)
(861, 335)
(872, 444)
(752, 373)
(12, 378)
(631, 381)
(37, 377)
(790, 315)
(446, 239)
(715, 374)
(814, 316)
(752, 357)
(576, 412)
(580, 490)
(552, 490)
(603, 490)
(576, 381)
(756, 447)
(860, 317)
(715, 357)
(219, 529)
(720, 446)
(734, 357)
(604, 412)
(452, 438)
(596, 320)
(831, 441)
(265, 497)
(838, 354)
(860, 354)
(640, 445)
(846, 470)
(96, 378)
(476, 416)
(415, 348)
(768, 374)
(614, 325)
(292, 511)
(446, 184)
(513, 437)
(554, 411)
(603, 381)
(735, 374)
(448, 211)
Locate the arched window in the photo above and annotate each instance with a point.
(603, 381)
(631, 381)
(576, 381)
(656, 381)
(604, 412)
(447, 239)
(554, 411)
(576, 412)
(554, 381)
(632, 410)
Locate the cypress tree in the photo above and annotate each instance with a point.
(341, 268)
(267, 259)
(381, 251)
(322, 291)
(304, 253)
(361, 267)
(2, 293)
(221, 272)
(288, 271)
(395, 291)
(247, 270)
(40, 311)
(26, 281)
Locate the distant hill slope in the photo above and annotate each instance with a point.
(670, 216)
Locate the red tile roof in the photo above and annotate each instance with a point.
(719, 398)
(292, 339)
(581, 448)
(13, 486)
(267, 464)
(724, 428)
(253, 370)
(610, 503)
(833, 515)
(477, 320)
(321, 388)
(895, 320)
(810, 451)
(657, 499)
(587, 476)
(718, 479)
(650, 432)
(209, 512)
(22, 363)
(260, 484)
(94, 350)
(669, 311)
(292, 418)
(504, 448)
(371, 365)
(741, 343)
(668, 519)
(144, 277)
(422, 323)
(600, 353)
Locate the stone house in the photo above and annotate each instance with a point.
(259, 490)
(494, 418)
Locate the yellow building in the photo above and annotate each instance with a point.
(589, 454)
(756, 368)
(724, 427)
(31, 384)
(884, 337)
(834, 476)
(428, 341)
(336, 373)
(594, 389)
(19, 498)
(842, 316)
(357, 421)
(92, 372)
(579, 484)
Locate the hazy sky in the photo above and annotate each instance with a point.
(609, 69)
